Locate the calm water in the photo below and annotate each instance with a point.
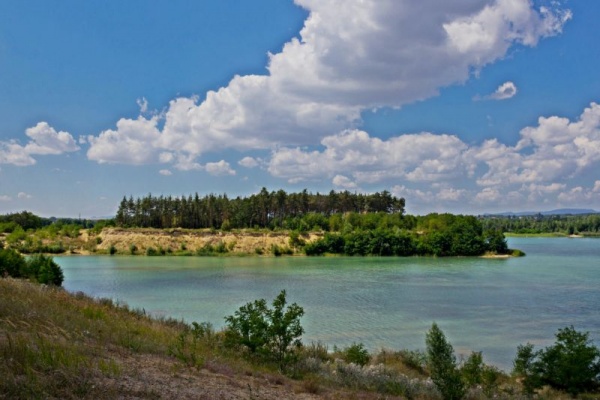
(484, 305)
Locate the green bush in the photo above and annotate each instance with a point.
(44, 270)
(572, 364)
(272, 333)
(356, 354)
(39, 268)
(11, 263)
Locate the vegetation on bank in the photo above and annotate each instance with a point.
(354, 234)
(57, 345)
(545, 225)
(39, 268)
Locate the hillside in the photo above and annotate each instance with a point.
(57, 345)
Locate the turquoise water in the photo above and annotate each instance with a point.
(489, 305)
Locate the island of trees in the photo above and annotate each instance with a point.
(336, 223)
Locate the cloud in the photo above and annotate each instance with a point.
(133, 142)
(350, 56)
(220, 168)
(343, 182)
(542, 165)
(165, 172)
(505, 91)
(5, 198)
(143, 105)
(24, 196)
(414, 157)
(249, 162)
(555, 149)
(44, 140)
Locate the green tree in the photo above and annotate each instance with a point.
(441, 363)
(270, 332)
(572, 364)
(11, 263)
(43, 269)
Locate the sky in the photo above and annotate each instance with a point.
(468, 106)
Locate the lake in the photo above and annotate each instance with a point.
(488, 305)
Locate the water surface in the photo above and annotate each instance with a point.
(489, 305)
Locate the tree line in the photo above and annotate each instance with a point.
(275, 209)
(534, 224)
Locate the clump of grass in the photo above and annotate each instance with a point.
(54, 344)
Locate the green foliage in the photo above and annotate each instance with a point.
(496, 242)
(24, 219)
(152, 252)
(43, 269)
(8, 227)
(536, 224)
(273, 333)
(357, 354)
(16, 236)
(281, 250)
(572, 364)
(39, 268)
(441, 363)
(476, 373)
(296, 239)
(11, 263)
(112, 250)
(277, 209)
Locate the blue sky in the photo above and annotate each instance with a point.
(470, 107)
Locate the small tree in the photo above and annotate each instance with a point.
(572, 364)
(44, 270)
(271, 332)
(441, 363)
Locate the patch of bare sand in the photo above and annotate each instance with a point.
(242, 242)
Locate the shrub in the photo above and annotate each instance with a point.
(112, 249)
(44, 270)
(572, 364)
(133, 249)
(11, 263)
(441, 363)
(356, 354)
(273, 333)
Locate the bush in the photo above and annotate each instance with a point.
(441, 363)
(112, 249)
(11, 263)
(572, 364)
(268, 332)
(356, 354)
(39, 268)
(44, 270)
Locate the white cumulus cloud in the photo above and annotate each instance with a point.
(351, 55)
(43, 140)
(220, 168)
(505, 91)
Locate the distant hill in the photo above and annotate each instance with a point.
(559, 211)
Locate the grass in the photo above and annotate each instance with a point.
(57, 345)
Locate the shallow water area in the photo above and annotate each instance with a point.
(488, 305)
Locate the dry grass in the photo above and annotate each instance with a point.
(57, 345)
